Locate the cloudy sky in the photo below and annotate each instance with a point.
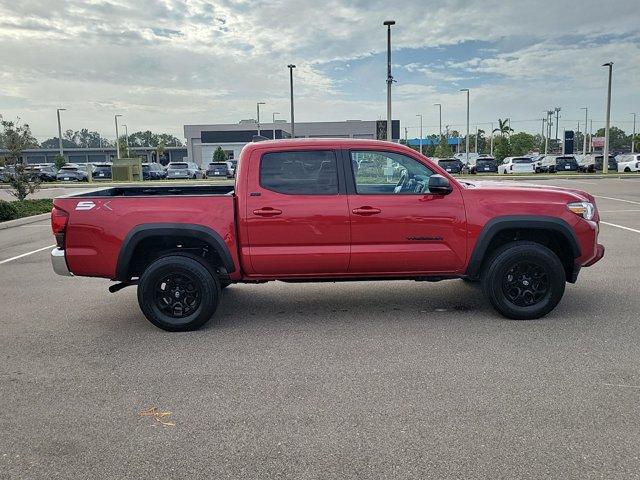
(166, 63)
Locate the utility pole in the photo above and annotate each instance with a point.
(492, 139)
(633, 135)
(476, 142)
(546, 137)
(273, 120)
(117, 137)
(388, 24)
(420, 115)
(591, 135)
(584, 142)
(60, 130)
(467, 139)
(406, 133)
(605, 155)
(542, 130)
(258, 119)
(126, 137)
(291, 66)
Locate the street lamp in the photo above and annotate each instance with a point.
(420, 115)
(60, 130)
(633, 135)
(126, 137)
(584, 141)
(258, 119)
(557, 110)
(117, 137)
(439, 105)
(273, 117)
(293, 125)
(605, 156)
(388, 24)
(467, 139)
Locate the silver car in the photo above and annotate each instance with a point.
(184, 170)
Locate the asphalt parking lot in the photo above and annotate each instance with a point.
(348, 380)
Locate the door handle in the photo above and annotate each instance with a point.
(366, 210)
(267, 212)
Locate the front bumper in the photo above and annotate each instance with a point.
(59, 263)
(599, 255)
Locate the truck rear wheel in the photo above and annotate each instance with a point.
(178, 293)
(524, 280)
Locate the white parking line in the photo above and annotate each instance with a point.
(617, 199)
(616, 211)
(25, 254)
(620, 226)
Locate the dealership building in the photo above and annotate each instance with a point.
(203, 140)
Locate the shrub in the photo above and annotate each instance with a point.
(7, 211)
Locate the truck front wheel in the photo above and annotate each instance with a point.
(178, 293)
(524, 280)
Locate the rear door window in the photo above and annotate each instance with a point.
(300, 173)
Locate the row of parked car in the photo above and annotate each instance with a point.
(591, 163)
(73, 172)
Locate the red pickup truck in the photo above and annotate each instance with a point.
(327, 210)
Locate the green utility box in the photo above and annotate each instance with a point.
(127, 170)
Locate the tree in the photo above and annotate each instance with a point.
(55, 143)
(618, 140)
(17, 137)
(501, 148)
(219, 155)
(521, 143)
(59, 161)
(150, 139)
(443, 150)
(123, 147)
(503, 127)
(160, 151)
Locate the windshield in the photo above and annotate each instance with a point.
(522, 160)
(485, 161)
(178, 166)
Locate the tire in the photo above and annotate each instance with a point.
(540, 290)
(627, 169)
(197, 284)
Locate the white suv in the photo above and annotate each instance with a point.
(629, 162)
(516, 165)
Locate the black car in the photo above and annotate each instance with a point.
(451, 165)
(153, 171)
(612, 164)
(44, 173)
(219, 169)
(566, 163)
(102, 171)
(72, 173)
(485, 165)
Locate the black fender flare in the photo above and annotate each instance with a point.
(140, 232)
(509, 222)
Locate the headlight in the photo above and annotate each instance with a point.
(584, 209)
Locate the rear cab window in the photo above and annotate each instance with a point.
(312, 172)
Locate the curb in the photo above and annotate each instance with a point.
(24, 221)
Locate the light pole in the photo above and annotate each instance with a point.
(476, 141)
(591, 135)
(557, 110)
(492, 138)
(117, 137)
(439, 105)
(584, 142)
(633, 135)
(258, 119)
(388, 24)
(420, 115)
(467, 138)
(273, 117)
(60, 130)
(291, 66)
(126, 137)
(605, 156)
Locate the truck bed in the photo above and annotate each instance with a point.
(146, 191)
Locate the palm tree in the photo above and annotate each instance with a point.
(503, 127)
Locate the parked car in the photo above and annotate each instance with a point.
(485, 164)
(42, 172)
(451, 165)
(629, 162)
(592, 163)
(153, 171)
(516, 165)
(102, 171)
(300, 211)
(72, 173)
(184, 170)
(220, 169)
(557, 163)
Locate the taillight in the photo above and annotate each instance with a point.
(59, 219)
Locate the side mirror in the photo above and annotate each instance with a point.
(439, 185)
